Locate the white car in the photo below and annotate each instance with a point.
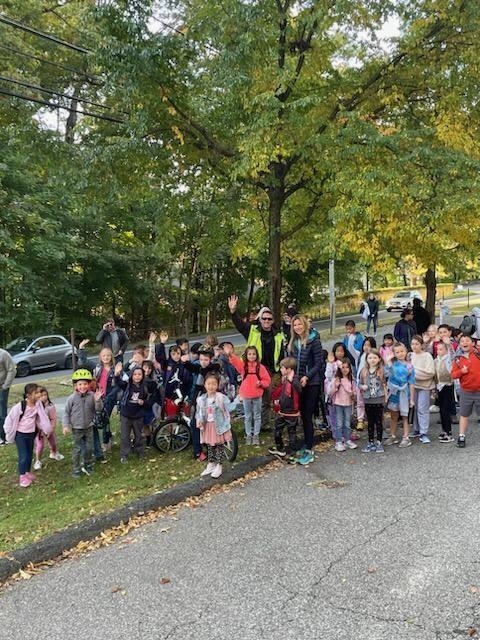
(403, 299)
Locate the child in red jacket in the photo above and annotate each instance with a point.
(255, 379)
(286, 403)
(466, 368)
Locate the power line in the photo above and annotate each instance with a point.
(7, 92)
(42, 34)
(89, 78)
(52, 92)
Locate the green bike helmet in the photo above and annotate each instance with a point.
(82, 374)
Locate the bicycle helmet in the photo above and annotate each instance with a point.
(82, 374)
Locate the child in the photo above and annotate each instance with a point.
(466, 369)
(353, 341)
(368, 345)
(386, 350)
(132, 411)
(176, 377)
(153, 387)
(401, 378)
(342, 392)
(424, 368)
(255, 379)
(21, 423)
(286, 402)
(40, 438)
(334, 361)
(373, 389)
(78, 416)
(183, 344)
(443, 370)
(430, 340)
(213, 421)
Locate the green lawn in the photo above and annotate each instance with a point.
(57, 388)
(56, 499)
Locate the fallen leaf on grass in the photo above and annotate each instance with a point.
(372, 569)
(165, 580)
(120, 590)
(471, 631)
(25, 575)
(473, 589)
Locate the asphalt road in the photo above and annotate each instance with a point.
(390, 551)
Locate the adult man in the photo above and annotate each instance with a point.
(113, 338)
(372, 304)
(405, 328)
(268, 340)
(8, 371)
(421, 317)
(466, 368)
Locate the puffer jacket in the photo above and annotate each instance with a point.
(309, 357)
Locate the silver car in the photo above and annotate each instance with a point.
(44, 352)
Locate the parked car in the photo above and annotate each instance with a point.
(44, 352)
(402, 299)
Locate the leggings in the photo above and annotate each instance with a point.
(40, 444)
(308, 402)
(216, 453)
(375, 421)
(445, 399)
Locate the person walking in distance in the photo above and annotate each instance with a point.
(466, 368)
(113, 338)
(373, 306)
(269, 342)
(8, 371)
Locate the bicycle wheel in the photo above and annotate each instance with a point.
(172, 435)
(231, 448)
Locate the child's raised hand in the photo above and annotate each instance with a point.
(118, 368)
(331, 357)
(232, 303)
(83, 343)
(152, 336)
(163, 337)
(184, 357)
(98, 395)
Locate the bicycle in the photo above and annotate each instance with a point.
(173, 433)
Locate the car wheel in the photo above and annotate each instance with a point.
(68, 362)
(23, 369)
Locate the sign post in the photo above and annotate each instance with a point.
(331, 285)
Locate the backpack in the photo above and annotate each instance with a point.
(101, 420)
(468, 326)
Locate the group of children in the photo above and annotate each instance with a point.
(358, 380)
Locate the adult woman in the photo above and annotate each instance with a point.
(424, 368)
(372, 306)
(306, 347)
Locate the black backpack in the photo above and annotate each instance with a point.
(468, 326)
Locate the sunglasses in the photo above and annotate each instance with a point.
(267, 319)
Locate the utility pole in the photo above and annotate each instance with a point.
(331, 285)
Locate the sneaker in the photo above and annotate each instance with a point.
(414, 434)
(406, 442)
(255, 440)
(461, 442)
(248, 439)
(101, 459)
(301, 452)
(360, 425)
(369, 448)
(208, 469)
(2, 442)
(354, 436)
(277, 452)
(56, 456)
(38, 465)
(217, 472)
(339, 446)
(87, 471)
(444, 437)
(24, 481)
(391, 440)
(307, 458)
(424, 439)
(292, 459)
(123, 460)
(31, 476)
(379, 447)
(350, 445)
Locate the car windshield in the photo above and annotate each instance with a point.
(18, 345)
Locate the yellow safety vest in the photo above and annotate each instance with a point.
(255, 340)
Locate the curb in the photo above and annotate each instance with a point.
(54, 545)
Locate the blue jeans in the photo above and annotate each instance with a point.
(97, 447)
(24, 442)
(3, 410)
(343, 417)
(252, 408)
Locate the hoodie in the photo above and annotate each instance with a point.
(132, 393)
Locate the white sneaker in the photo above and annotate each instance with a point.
(57, 456)
(217, 472)
(38, 465)
(339, 446)
(208, 469)
(351, 445)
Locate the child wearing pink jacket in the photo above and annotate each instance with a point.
(255, 379)
(40, 439)
(21, 424)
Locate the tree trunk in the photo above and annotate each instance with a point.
(276, 196)
(431, 285)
